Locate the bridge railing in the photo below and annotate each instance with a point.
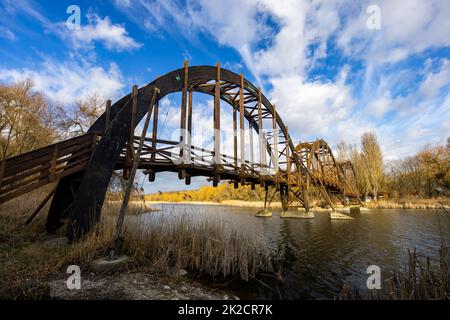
(29, 171)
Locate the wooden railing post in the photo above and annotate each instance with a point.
(129, 157)
(261, 141)
(2, 170)
(217, 160)
(182, 172)
(275, 141)
(242, 128)
(107, 114)
(52, 172)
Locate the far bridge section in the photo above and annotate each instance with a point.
(262, 150)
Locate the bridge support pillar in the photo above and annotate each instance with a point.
(284, 196)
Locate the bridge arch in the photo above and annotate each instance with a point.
(81, 194)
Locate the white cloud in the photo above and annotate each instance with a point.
(7, 34)
(281, 42)
(112, 36)
(69, 81)
(380, 106)
(436, 81)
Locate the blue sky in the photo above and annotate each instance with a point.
(332, 70)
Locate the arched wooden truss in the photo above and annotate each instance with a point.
(337, 178)
(83, 166)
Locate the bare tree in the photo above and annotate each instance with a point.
(26, 120)
(76, 120)
(373, 160)
(360, 169)
(343, 151)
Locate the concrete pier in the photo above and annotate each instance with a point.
(298, 215)
(264, 213)
(339, 216)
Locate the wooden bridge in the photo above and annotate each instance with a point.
(263, 152)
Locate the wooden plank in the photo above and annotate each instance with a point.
(38, 161)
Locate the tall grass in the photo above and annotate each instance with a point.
(409, 203)
(166, 245)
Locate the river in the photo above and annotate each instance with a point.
(322, 254)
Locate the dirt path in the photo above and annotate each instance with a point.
(133, 286)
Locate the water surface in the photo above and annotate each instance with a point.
(320, 254)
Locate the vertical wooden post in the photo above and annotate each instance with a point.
(250, 130)
(235, 152)
(183, 110)
(217, 160)
(275, 141)
(288, 162)
(107, 114)
(129, 157)
(155, 130)
(53, 164)
(261, 137)
(133, 119)
(241, 125)
(189, 126)
(2, 169)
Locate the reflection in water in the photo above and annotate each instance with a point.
(320, 254)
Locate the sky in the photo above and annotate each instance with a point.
(334, 69)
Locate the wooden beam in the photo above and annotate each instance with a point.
(242, 126)
(129, 187)
(40, 206)
(217, 160)
(2, 169)
(183, 109)
(107, 114)
(235, 153)
(133, 119)
(155, 130)
(261, 137)
(250, 130)
(275, 140)
(189, 125)
(52, 175)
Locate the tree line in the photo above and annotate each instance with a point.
(425, 174)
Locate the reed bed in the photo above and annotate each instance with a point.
(170, 243)
(409, 204)
(419, 280)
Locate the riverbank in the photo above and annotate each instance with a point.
(421, 204)
(165, 257)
